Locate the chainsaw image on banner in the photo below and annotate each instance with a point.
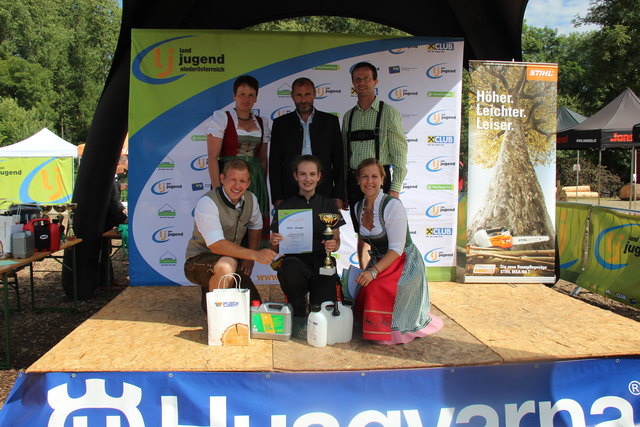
(501, 238)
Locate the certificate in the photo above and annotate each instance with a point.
(296, 227)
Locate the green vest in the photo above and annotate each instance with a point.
(234, 222)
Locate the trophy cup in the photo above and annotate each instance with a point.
(70, 208)
(328, 219)
(45, 210)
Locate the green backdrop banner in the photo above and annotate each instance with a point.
(613, 263)
(571, 229)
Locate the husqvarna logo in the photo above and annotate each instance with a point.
(163, 60)
(200, 163)
(101, 405)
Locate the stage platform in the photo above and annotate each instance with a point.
(163, 329)
(521, 355)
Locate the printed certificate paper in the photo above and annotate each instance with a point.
(296, 227)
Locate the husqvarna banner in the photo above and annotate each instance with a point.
(511, 192)
(179, 77)
(613, 262)
(603, 392)
(39, 180)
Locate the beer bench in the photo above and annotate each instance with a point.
(8, 268)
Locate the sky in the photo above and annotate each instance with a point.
(557, 14)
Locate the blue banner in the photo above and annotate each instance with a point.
(603, 392)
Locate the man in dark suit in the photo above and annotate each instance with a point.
(306, 131)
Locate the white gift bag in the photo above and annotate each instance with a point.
(228, 314)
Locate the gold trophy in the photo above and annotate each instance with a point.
(71, 207)
(330, 220)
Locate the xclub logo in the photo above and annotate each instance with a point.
(163, 60)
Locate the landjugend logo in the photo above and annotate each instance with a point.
(400, 93)
(164, 234)
(437, 71)
(439, 117)
(164, 186)
(438, 164)
(612, 237)
(165, 64)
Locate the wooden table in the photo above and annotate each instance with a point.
(15, 264)
(112, 235)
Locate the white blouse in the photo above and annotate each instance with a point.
(218, 125)
(395, 222)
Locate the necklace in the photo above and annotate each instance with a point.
(247, 119)
(367, 217)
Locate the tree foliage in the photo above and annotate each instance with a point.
(16, 122)
(328, 24)
(526, 95)
(55, 56)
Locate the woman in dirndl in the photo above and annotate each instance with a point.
(239, 133)
(393, 297)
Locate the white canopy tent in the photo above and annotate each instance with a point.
(44, 143)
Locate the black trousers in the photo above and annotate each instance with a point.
(354, 194)
(299, 276)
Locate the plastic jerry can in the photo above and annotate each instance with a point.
(22, 244)
(339, 322)
(271, 320)
(317, 324)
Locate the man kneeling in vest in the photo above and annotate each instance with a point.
(223, 216)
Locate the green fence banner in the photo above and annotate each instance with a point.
(613, 263)
(571, 224)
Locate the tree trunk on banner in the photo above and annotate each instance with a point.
(515, 199)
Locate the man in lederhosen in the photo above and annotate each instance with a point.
(372, 129)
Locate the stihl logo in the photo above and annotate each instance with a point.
(541, 73)
(546, 73)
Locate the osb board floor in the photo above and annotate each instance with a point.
(156, 328)
(162, 329)
(534, 322)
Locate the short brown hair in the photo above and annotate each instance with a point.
(306, 158)
(246, 80)
(237, 164)
(369, 162)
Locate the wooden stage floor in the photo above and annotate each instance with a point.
(162, 329)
